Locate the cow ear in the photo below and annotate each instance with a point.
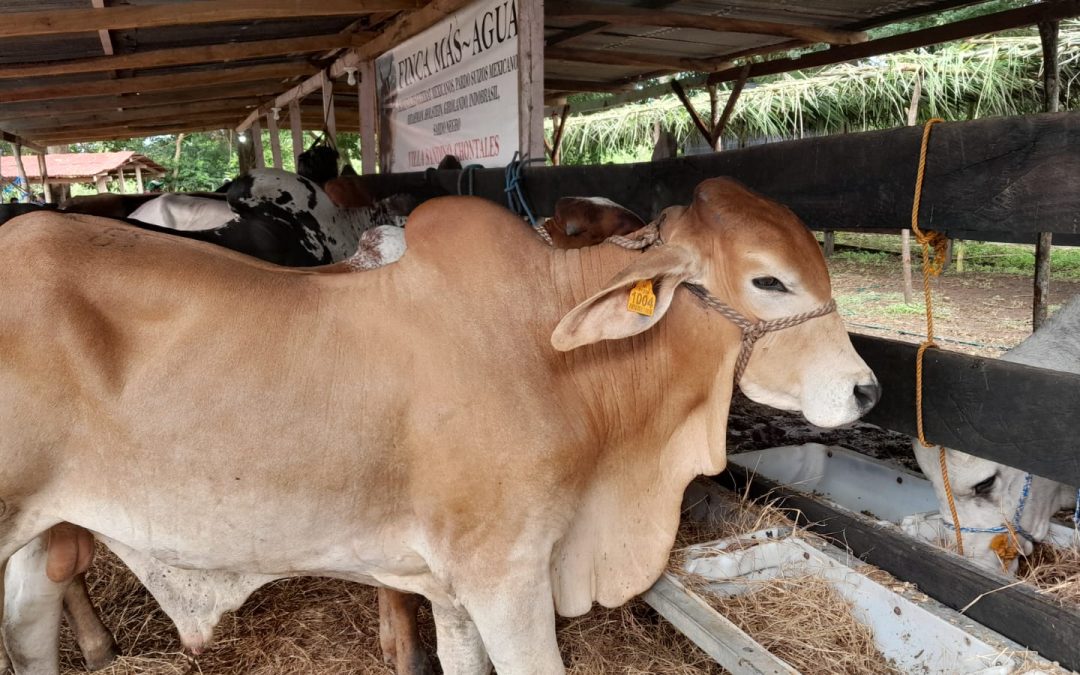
(608, 316)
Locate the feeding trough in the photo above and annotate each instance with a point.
(846, 478)
(913, 638)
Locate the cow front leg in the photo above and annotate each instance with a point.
(33, 605)
(461, 650)
(95, 641)
(516, 620)
(399, 634)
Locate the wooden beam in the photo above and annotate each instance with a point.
(238, 92)
(106, 40)
(585, 85)
(1017, 611)
(275, 140)
(149, 114)
(558, 126)
(984, 407)
(296, 126)
(631, 16)
(43, 172)
(369, 113)
(1010, 176)
(328, 116)
(530, 69)
(1014, 18)
(15, 138)
(405, 26)
(151, 83)
(1048, 34)
(181, 56)
(256, 142)
(615, 58)
(58, 21)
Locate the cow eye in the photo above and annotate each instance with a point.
(986, 486)
(770, 284)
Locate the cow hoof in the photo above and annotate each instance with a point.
(418, 664)
(101, 659)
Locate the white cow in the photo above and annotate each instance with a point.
(987, 494)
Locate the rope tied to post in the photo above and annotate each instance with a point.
(932, 266)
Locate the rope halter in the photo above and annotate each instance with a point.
(752, 331)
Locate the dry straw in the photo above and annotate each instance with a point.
(1054, 570)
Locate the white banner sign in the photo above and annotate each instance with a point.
(452, 90)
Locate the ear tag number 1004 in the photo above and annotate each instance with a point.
(642, 299)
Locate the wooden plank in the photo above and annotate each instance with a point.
(235, 107)
(632, 16)
(57, 21)
(151, 83)
(1017, 612)
(369, 112)
(644, 60)
(296, 126)
(238, 92)
(530, 68)
(103, 35)
(402, 28)
(181, 56)
(1018, 415)
(1015, 175)
(256, 142)
(718, 637)
(275, 140)
(15, 138)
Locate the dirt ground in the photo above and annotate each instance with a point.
(975, 313)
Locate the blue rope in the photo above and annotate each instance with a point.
(1076, 511)
(1017, 516)
(515, 194)
(470, 171)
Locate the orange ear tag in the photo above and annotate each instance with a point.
(642, 299)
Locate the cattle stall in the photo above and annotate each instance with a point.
(122, 70)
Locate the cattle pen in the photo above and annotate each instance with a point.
(120, 69)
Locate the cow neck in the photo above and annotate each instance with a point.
(658, 403)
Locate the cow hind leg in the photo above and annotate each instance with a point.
(399, 635)
(95, 641)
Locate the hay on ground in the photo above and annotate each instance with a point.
(1054, 571)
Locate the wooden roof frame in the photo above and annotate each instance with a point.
(306, 64)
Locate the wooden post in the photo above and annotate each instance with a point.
(296, 124)
(20, 168)
(138, 179)
(828, 243)
(369, 113)
(329, 119)
(905, 234)
(531, 78)
(905, 262)
(1048, 31)
(245, 154)
(275, 140)
(961, 249)
(257, 144)
(558, 125)
(102, 182)
(120, 180)
(43, 170)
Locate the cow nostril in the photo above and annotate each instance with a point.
(867, 395)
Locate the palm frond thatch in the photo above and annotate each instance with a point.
(974, 78)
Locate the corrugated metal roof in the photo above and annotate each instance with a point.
(81, 165)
